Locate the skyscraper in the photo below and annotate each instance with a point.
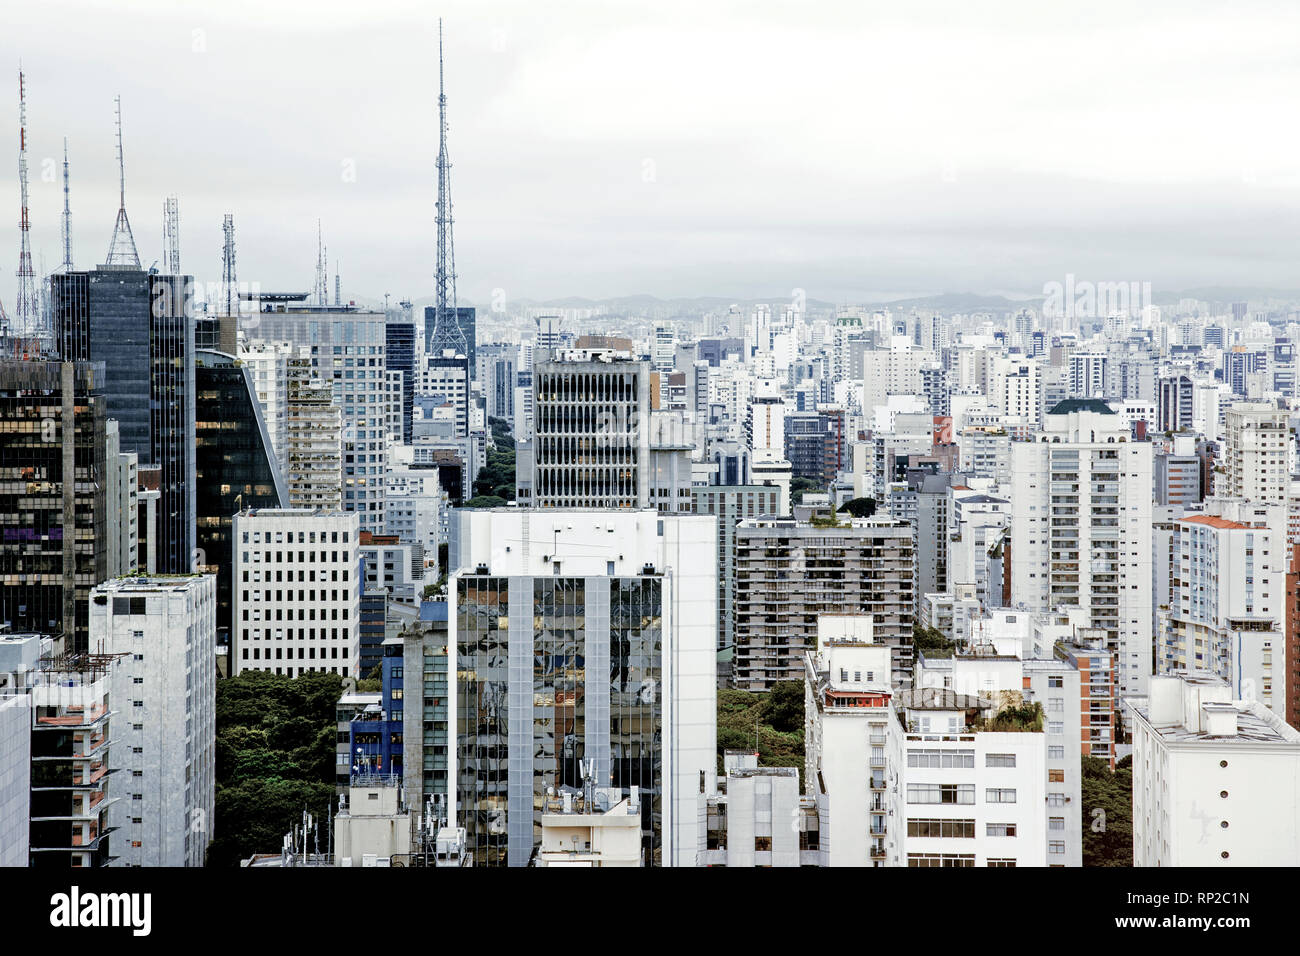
(1081, 529)
(139, 324)
(53, 542)
(235, 468)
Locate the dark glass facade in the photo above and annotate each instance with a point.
(53, 545)
(399, 356)
(525, 650)
(235, 467)
(140, 326)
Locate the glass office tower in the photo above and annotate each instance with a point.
(53, 545)
(235, 466)
(140, 325)
(552, 671)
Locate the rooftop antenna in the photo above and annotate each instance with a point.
(27, 316)
(322, 296)
(229, 285)
(171, 236)
(338, 286)
(447, 333)
(121, 251)
(67, 213)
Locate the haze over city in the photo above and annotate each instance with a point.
(859, 151)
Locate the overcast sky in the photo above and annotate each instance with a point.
(852, 149)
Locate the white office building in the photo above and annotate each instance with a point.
(164, 630)
(297, 592)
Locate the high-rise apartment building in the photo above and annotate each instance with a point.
(1255, 453)
(584, 646)
(1227, 600)
(731, 504)
(789, 573)
(1081, 529)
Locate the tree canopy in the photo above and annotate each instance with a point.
(275, 757)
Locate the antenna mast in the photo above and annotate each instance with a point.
(27, 315)
(231, 294)
(171, 236)
(322, 281)
(67, 213)
(121, 251)
(447, 334)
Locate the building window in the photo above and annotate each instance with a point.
(1056, 776)
(941, 793)
(999, 760)
(1000, 829)
(1001, 863)
(958, 829)
(1000, 795)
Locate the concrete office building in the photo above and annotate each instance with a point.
(591, 434)
(297, 590)
(313, 439)
(758, 818)
(76, 721)
(426, 739)
(596, 828)
(1081, 528)
(165, 631)
(540, 601)
(1216, 780)
(347, 350)
(788, 573)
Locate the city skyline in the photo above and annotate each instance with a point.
(951, 156)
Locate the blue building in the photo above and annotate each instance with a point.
(375, 735)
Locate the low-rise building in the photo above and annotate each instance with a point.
(1216, 780)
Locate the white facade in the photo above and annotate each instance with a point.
(1081, 529)
(164, 748)
(15, 778)
(268, 364)
(1227, 601)
(1255, 447)
(296, 592)
(1056, 835)
(1216, 781)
